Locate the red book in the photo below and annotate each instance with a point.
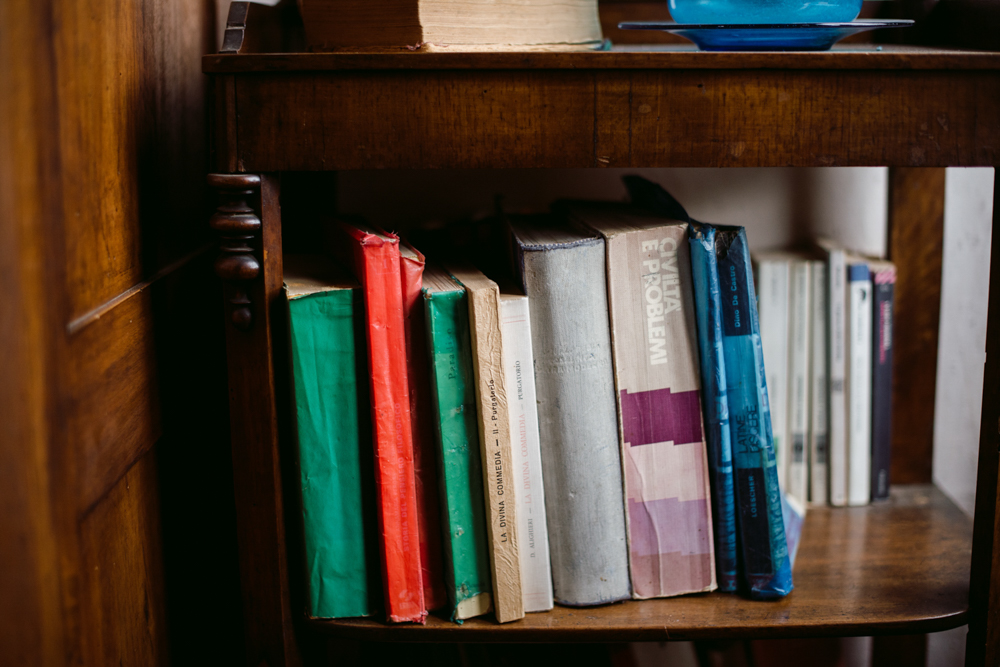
(375, 258)
(424, 442)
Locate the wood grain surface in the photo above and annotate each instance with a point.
(498, 118)
(101, 175)
(257, 477)
(901, 567)
(632, 56)
(916, 243)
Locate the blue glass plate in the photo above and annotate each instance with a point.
(764, 37)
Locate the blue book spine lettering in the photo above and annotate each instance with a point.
(704, 268)
(765, 564)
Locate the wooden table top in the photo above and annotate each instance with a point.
(897, 567)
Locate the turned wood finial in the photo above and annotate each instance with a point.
(238, 225)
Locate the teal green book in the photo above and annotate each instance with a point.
(333, 433)
(463, 520)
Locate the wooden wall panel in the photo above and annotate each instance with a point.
(113, 408)
(123, 620)
(31, 622)
(102, 162)
(131, 109)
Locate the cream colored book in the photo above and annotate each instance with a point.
(494, 438)
(533, 531)
(450, 25)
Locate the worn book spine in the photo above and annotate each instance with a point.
(376, 265)
(884, 287)
(818, 431)
(565, 285)
(424, 458)
(655, 352)
(467, 563)
(494, 437)
(859, 389)
(798, 379)
(837, 369)
(764, 552)
(334, 455)
(773, 302)
(708, 308)
(533, 531)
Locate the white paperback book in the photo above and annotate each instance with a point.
(773, 270)
(818, 398)
(836, 369)
(533, 532)
(798, 378)
(859, 383)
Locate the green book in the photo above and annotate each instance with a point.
(330, 393)
(463, 521)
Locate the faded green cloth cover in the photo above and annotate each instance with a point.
(335, 454)
(467, 566)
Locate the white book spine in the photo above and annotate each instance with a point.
(798, 379)
(859, 386)
(837, 370)
(533, 532)
(818, 431)
(772, 307)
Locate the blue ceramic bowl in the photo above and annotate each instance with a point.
(763, 11)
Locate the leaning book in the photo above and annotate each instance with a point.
(765, 563)
(655, 352)
(332, 429)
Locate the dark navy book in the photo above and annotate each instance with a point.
(765, 565)
(884, 287)
(708, 311)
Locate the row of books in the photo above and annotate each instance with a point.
(590, 425)
(826, 319)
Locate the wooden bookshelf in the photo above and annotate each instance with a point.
(901, 566)
(915, 564)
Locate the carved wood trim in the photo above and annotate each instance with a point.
(238, 225)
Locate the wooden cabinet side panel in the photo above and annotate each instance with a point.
(983, 643)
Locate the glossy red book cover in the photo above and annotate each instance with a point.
(421, 408)
(377, 266)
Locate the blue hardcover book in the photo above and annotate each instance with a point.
(708, 311)
(765, 563)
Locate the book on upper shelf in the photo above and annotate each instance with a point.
(451, 25)
(332, 428)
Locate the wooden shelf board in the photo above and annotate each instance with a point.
(849, 56)
(898, 567)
